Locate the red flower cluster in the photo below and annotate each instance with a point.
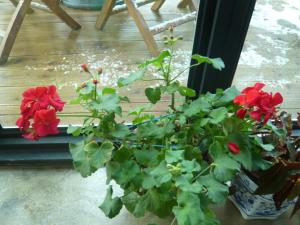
(40, 104)
(260, 105)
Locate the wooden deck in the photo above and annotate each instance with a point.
(48, 52)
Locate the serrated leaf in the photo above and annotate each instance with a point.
(185, 183)
(120, 131)
(134, 76)
(217, 63)
(130, 200)
(157, 61)
(123, 154)
(75, 131)
(187, 92)
(216, 191)
(109, 103)
(266, 147)
(197, 106)
(111, 206)
(173, 156)
(153, 94)
(190, 166)
(146, 157)
(99, 155)
(218, 115)
(161, 174)
(225, 167)
(188, 211)
(227, 97)
(80, 159)
(108, 90)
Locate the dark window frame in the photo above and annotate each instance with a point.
(221, 30)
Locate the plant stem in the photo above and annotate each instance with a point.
(158, 79)
(203, 171)
(173, 221)
(72, 115)
(197, 64)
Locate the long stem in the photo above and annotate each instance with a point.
(157, 79)
(203, 171)
(173, 221)
(178, 75)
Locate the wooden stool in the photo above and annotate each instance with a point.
(15, 23)
(147, 32)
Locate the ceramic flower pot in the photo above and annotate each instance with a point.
(255, 206)
(86, 4)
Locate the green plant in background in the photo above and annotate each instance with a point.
(177, 164)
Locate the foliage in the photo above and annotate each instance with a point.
(180, 163)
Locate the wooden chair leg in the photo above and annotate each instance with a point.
(15, 3)
(143, 27)
(13, 29)
(189, 3)
(105, 13)
(57, 10)
(157, 5)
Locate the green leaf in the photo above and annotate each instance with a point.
(153, 94)
(157, 61)
(188, 211)
(99, 155)
(138, 110)
(88, 89)
(185, 183)
(266, 147)
(161, 174)
(227, 97)
(75, 131)
(217, 63)
(121, 131)
(197, 106)
(75, 101)
(148, 181)
(218, 115)
(216, 191)
(123, 173)
(187, 92)
(225, 167)
(173, 156)
(134, 76)
(123, 154)
(111, 206)
(130, 200)
(151, 130)
(190, 166)
(109, 103)
(80, 159)
(108, 91)
(146, 157)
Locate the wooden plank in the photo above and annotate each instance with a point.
(105, 13)
(143, 27)
(157, 5)
(15, 3)
(12, 30)
(121, 8)
(187, 3)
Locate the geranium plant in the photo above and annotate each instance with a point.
(177, 164)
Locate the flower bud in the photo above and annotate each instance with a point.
(95, 81)
(85, 68)
(99, 70)
(83, 85)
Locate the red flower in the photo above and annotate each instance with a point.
(34, 99)
(85, 68)
(40, 104)
(54, 99)
(234, 148)
(260, 105)
(45, 122)
(241, 113)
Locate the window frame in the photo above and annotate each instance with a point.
(221, 30)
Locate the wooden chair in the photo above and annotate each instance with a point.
(23, 7)
(147, 32)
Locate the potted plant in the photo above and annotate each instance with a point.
(267, 194)
(178, 164)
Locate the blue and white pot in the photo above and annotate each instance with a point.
(255, 206)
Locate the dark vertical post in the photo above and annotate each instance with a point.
(221, 30)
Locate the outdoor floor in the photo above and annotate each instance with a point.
(48, 52)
